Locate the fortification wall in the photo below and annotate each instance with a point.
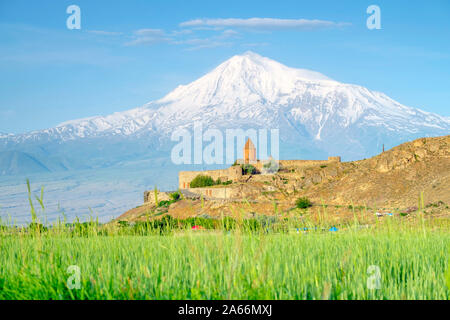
(334, 159)
(233, 173)
(301, 163)
(217, 192)
(304, 163)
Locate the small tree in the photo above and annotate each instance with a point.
(303, 203)
(175, 196)
(248, 169)
(201, 181)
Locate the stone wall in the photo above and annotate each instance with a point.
(215, 193)
(233, 173)
(300, 163)
(334, 159)
(218, 193)
(304, 163)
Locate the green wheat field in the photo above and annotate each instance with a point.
(229, 258)
(390, 260)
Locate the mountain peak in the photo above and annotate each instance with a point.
(250, 56)
(248, 76)
(250, 53)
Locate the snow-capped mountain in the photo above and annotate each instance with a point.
(316, 115)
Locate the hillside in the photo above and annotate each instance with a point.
(391, 181)
(17, 163)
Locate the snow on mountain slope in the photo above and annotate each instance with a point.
(252, 91)
(120, 123)
(245, 79)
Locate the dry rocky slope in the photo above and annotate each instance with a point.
(393, 180)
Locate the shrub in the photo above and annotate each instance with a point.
(164, 204)
(201, 181)
(248, 169)
(123, 224)
(271, 167)
(39, 227)
(175, 196)
(303, 203)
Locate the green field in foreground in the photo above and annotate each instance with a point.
(412, 264)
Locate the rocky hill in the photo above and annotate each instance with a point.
(394, 178)
(392, 181)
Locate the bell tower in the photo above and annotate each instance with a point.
(249, 152)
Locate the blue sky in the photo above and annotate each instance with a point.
(128, 53)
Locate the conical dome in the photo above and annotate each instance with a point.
(249, 152)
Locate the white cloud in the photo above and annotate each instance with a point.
(263, 23)
(105, 33)
(255, 44)
(147, 41)
(224, 33)
(209, 42)
(196, 44)
(149, 32)
(182, 32)
(181, 37)
(229, 33)
(148, 37)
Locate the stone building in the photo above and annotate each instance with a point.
(233, 173)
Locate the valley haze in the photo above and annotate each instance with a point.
(101, 165)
